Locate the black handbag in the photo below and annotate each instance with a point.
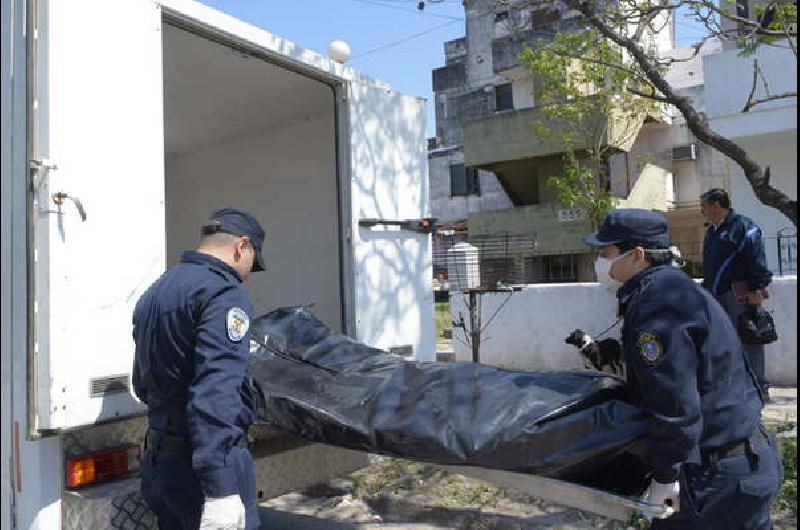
(756, 326)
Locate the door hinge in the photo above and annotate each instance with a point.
(41, 169)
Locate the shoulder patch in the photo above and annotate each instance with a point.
(237, 323)
(650, 347)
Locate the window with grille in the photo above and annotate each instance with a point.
(504, 97)
(553, 269)
(464, 181)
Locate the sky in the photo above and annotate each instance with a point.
(390, 39)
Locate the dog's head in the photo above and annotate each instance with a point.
(577, 338)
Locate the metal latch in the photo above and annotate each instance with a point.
(60, 197)
(425, 225)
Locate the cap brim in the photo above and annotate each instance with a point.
(593, 241)
(258, 263)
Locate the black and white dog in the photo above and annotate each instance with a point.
(601, 354)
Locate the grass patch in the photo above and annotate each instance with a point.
(443, 318)
(438, 487)
(455, 490)
(389, 474)
(787, 497)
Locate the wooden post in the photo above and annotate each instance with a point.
(474, 326)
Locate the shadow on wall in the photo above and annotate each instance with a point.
(529, 331)
(394, 302)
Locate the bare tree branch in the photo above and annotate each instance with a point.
(654, 97)
(752, 100)
(753, 103)
(697, 123)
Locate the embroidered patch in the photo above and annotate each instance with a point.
(238, 323)
(650, 347)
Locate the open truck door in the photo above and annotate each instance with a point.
(392, 264)
(97, 204)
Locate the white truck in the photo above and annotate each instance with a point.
(123, 124)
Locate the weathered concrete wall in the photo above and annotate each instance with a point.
(652, 189)
(552, 235)
(651, 156)
(447, 208)
(529, 331)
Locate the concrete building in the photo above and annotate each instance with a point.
(489, 170)
(488, 166)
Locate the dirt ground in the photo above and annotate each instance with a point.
(398, 494)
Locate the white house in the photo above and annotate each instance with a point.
(768, 132)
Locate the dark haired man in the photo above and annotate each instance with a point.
(191, 329)
(735, 267)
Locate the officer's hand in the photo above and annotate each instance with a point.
(668, 494)
(751, 298)
(223, 513)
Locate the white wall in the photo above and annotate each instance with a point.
(392, 269)
(529, 332)
(287, 178)
(779, 152)
(729, 79)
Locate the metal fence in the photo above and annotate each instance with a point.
(505, 259)
(784, 260)
(509, 259)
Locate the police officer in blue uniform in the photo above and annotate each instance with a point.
(735, 267)
(712, 460)
(191, 330)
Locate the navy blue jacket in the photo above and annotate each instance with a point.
(191, 329)
(733, 253)
(686, 367)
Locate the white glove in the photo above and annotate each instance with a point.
(668, 494)
(223, 513)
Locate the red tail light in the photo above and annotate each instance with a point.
(102, 466)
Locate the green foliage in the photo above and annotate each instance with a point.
(581, 88)
(787, 497)
(444, 319)
(783, 19)
(639, 522)
(578, 187)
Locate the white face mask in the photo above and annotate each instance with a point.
(602, 267)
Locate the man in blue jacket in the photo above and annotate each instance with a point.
(191, 330)
(712, 460)
(735, 267)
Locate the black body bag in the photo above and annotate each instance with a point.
(325, 387)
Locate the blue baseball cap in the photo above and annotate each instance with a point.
(239, 223)
(634, 226)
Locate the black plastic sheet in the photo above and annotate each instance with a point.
(327, 388)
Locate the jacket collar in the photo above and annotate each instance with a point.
(200, 258)
(636, 285)
(725, 222)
